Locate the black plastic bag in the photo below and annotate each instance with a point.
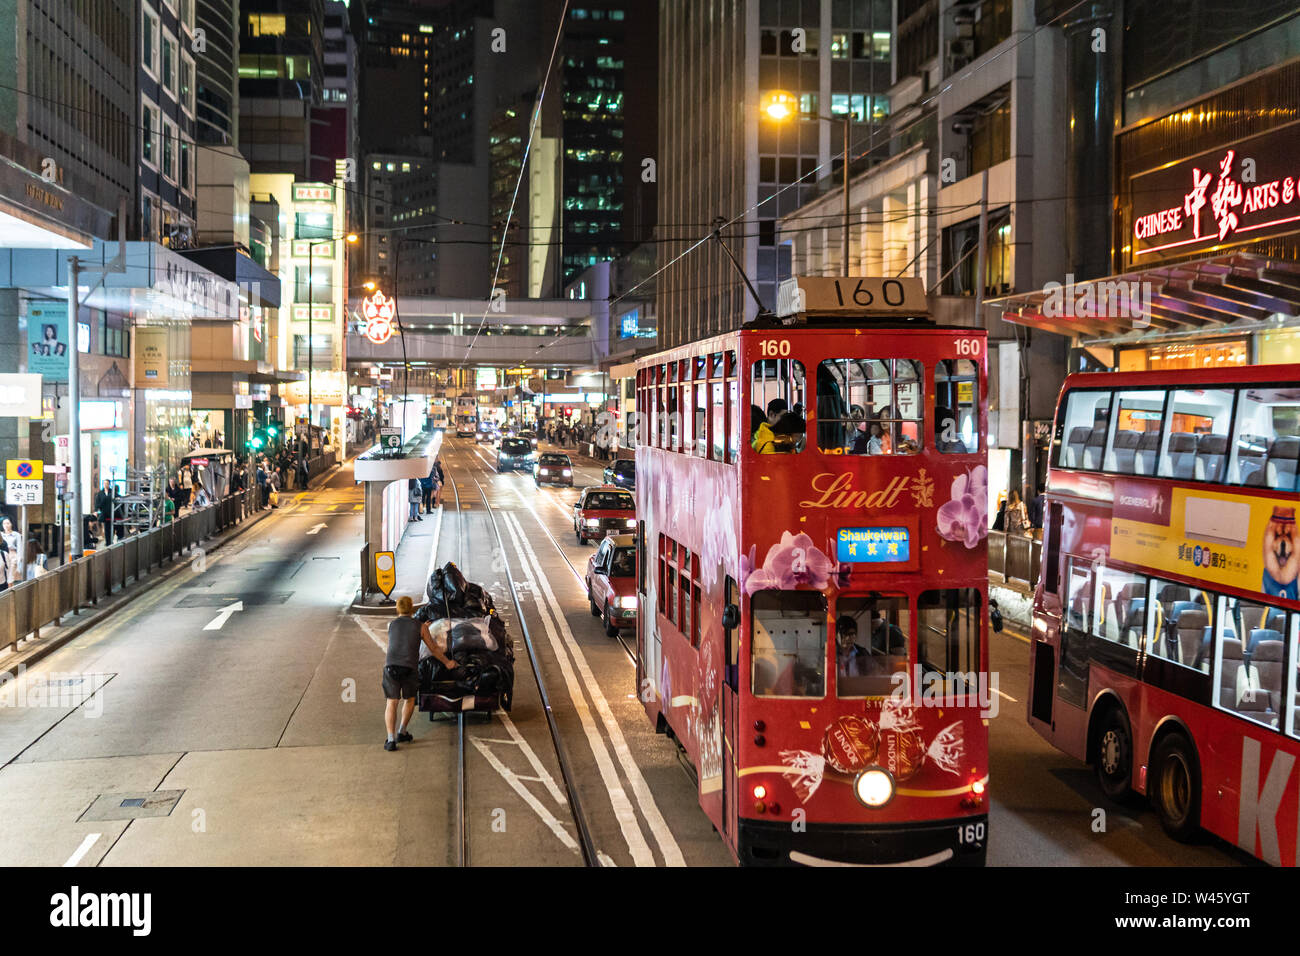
(995, 616)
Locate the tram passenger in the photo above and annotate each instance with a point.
(790, 429)
(851, 658)
(945, 431)
(761, 438)
(832, 432)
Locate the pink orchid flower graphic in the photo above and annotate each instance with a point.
(793, 562)
(964, 517)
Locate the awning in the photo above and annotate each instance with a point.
(1233, 293)
(275, 377)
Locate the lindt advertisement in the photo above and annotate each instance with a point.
(1227, 196)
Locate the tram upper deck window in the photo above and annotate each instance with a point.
(1267, 438)
(870, 644)
(1082, 431)
(1197, 445)
(778, 393)
(788, 646)
(869, 406)
(956, 406)
(1135, 437)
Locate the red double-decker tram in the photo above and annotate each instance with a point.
(812, 503)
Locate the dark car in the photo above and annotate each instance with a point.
(603, 510)
(621, 473)
(611, 583)
(553, 469)
(515, 453)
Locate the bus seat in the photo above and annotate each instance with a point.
(1202, 660)
(1134, 590)
(1211, 453)
(1266, 659)
(1276, 620)
(1231, 664)
(1135, 622)
(1074, 447)
(1280, 471)
(1122, 456)
(1190, 624)
(1093, 448)
(1148, 450)
(1258, 636)
(1180, 460)
(1173, 594)
(1252, 453)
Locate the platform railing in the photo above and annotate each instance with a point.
(1015, 558)
(27, 607)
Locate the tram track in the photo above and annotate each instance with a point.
(585, 843)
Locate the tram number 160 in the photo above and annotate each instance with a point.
(775, 348)
(969, 834)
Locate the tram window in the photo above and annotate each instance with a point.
(1197, 446)
(870, 644)
(778, 390)
(733, 419)
(788, 645)
(684, 599)
(1119, 599)
(717, 421)
(869, 406)
(732, 596)
(701, 419)
(1266, 439)
(948, 636)
(956, 406)
(1251, 660)
(674, 417)
(717, 371)
(1134, 441)
(688, 420)
(1082, 430)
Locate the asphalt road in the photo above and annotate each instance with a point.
(240, 704)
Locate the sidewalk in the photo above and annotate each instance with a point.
(414, 555)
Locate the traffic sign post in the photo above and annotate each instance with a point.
(390, 439)
(385, 571)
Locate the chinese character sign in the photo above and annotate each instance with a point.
(47, 340)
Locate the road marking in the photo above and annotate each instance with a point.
(220, 620)
(645, 799)
(317, 528)
(358, 507)
(517, 785)
(82, 850)
(1008, 697)
(622, 806)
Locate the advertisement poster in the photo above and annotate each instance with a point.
(47, 340)
(151, 357)
(1222, 538)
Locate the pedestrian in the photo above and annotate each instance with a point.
(302, 473)
(439, 479)
(4, 565)
(426, 491)
(274, 481)
(1017, 521)
(263, 489)
(414, 496)
(35, 561)
(402, 670)
(104, 506)
(186, 482)
(1035, 509)
(173, 494)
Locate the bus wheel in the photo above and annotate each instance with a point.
(1115, 757)
(1175, 789)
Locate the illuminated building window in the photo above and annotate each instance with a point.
(266, 24)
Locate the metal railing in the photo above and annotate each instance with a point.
(27, 607)
(1016, 557)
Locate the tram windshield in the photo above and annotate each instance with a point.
(789, 643)
(870, 644)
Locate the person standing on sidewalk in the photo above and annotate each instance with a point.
(439, 479)
(414, 496)
(426, 491)
(104, 506)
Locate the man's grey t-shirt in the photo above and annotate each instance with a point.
(403, 643)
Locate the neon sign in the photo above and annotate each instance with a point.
(378, 310)
(1219, 197)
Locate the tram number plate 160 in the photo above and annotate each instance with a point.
(971, 834)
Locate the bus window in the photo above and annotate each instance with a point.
(948, 634)
(1135, 437)
(869, 406)
(1250, 660)
(1197, 448)
(777, 388)
(1079, 595)
(1119, 598)
(1082, 430)
(1265, 446)
(788, 645)
(870, 644)
(1293, 668)
(1180, 624)
(956, 406)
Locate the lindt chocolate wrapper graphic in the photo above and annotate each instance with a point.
(948, 749)
(850, 743)
(902, 752)
(899, 715)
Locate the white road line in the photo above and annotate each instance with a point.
(1008, 697)
(218, 622)
(518, 738)
(82, 850)
(525, 795)
(622, 806)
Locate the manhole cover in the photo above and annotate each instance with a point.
(132, 806)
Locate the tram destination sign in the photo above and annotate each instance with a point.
(851, 296)
(874, 545)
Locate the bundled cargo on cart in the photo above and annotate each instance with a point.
(464, 624)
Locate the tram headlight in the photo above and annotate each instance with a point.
(874, 787)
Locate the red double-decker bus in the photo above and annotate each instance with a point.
(812, 503)
(1166, 614)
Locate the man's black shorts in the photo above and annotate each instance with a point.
(400, 682)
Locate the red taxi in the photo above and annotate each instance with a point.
(603, 510)
(611, 583)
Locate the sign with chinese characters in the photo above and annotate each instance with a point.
(21, 468)
(1222, 197)
(390, 439)
(47, 340)
(151, 367)
(313, 192)
(378, 311)
(319, 313)
(873, 545)
(313, 249)
(327, 388)
(24, 492)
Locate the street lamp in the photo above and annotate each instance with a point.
(781, 105)
(350, 238)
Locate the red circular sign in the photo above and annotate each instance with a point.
(25, 469)
(850, 743)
